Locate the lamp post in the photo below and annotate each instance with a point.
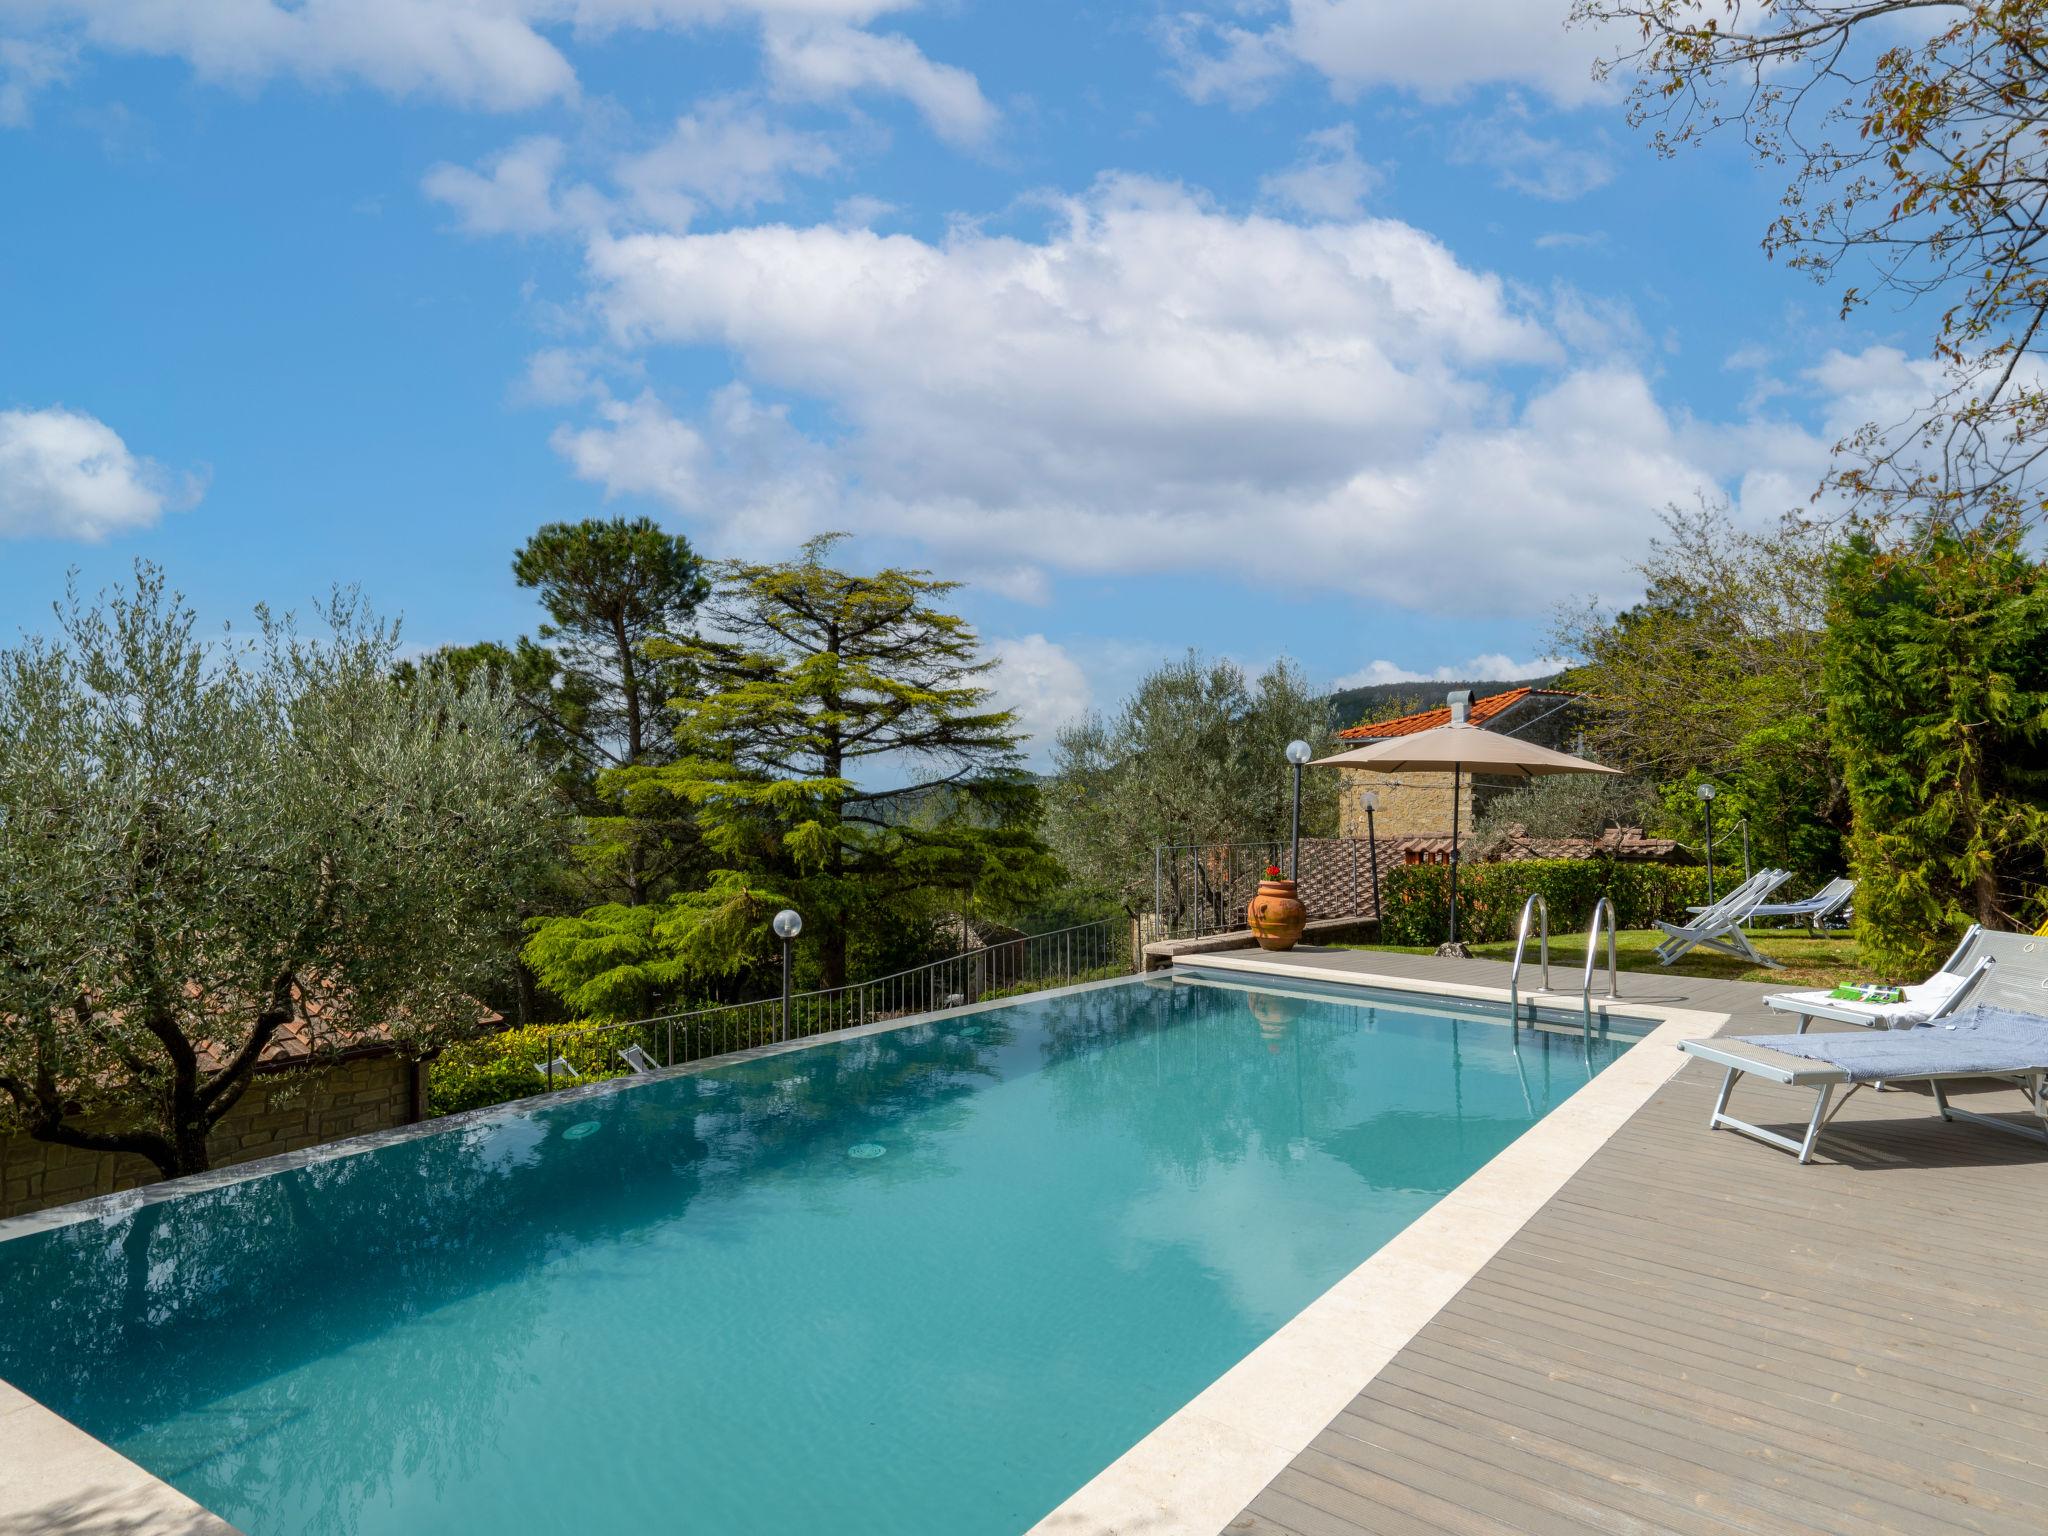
(1372, 848)
(788, 925)
(1298, 753)
(1706, 792)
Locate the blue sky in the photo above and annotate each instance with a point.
(1363, 330)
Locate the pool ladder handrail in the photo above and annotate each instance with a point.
(1602, 907)
(1541, 909)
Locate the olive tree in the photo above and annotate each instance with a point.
(1196, 754)
(198, 838)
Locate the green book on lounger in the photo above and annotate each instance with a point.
(1868, 992)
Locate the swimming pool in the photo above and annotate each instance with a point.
(925, 1280)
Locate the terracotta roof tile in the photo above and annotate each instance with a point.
(1483, 710)
(1625, 843)
(320, 1025)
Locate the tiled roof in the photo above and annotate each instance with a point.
(320, 1025)
(1483, 710)
(1626, 843)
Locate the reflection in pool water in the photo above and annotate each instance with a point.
(726, 1313)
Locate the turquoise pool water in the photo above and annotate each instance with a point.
(923, 1283)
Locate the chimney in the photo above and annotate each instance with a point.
(1461, 705)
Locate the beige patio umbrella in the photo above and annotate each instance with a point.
(1454, 749)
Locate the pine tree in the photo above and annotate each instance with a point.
(612, 588)
(820, 693)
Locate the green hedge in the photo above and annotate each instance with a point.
(1490, 896)
(495, 1069)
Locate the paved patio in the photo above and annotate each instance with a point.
(1698, 1335)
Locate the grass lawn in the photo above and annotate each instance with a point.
(1804, 961)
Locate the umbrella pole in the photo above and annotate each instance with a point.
(1457, 770)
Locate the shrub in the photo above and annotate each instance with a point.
(498, 1068)
(1490, 896)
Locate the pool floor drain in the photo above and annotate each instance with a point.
(866, 1149)
(971, 1031)
(581, 1129)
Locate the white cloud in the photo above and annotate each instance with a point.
(743, 468)
(863, 212)
(67, 475)
(639, 448)
(1489, 666)
(1329, 181)
(1214, 61)
(479, 55)
(1159, 384)
(829, 63)
(1522, 161)
(515, 193)
(726, 154)
(1038, 680)
(497, 55)
(563, 376)
(26, 67)
(1433, 48)
(1568, 240)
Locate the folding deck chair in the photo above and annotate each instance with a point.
(559, 1067)
(1983, 1041)
(1719, 927)
(1812, 910)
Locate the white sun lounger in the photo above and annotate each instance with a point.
(639, 1060)
(1719, 927)
(559, 1067)
(1958, 982)
(1983, 1041)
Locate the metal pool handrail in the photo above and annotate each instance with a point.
(1541, 908)
(1602, 907)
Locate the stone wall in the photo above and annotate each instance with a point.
(282, 1112)
(1413, 804)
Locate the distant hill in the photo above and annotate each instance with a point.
(1348, 706)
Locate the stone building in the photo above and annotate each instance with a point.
(1419, 804)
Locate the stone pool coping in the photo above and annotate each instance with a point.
(1193, 1474)
(56, 1477)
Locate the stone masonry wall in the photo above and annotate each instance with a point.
(1412, 804)
(281, 1112)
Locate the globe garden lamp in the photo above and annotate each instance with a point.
(1298, 754)
(787, 926)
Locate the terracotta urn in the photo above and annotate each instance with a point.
(1275, 1017)
(1276, 915)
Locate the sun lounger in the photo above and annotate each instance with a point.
(639, 1060)
(1719, 927)
(1957, 983)
(1812, 910)
(1982, 1041)
(559, 1067)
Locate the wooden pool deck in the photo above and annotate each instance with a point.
(1698, 1335)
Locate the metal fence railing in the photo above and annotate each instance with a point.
(1033, 963)
(1202, 888)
